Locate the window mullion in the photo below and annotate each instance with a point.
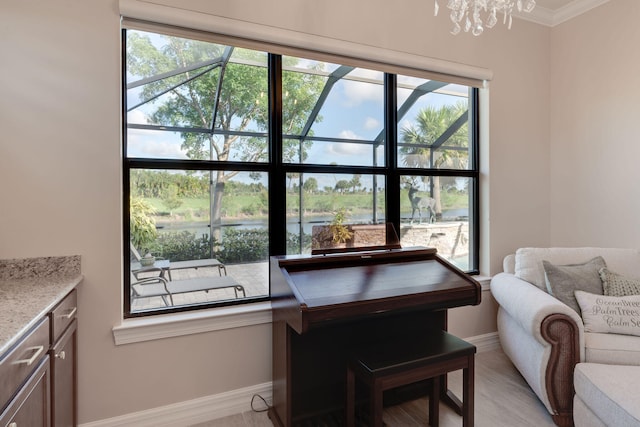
(392, 176)
(277, 176)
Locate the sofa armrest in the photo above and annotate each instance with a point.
(529, 306)
(557, 331)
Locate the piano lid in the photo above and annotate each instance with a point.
(330, 287)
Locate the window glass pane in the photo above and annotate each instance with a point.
(332, 113)
(194, 107)
(433, 129)
(178, 88)
(436, 212)
(316, 200)
(178, 218)
(165, 144)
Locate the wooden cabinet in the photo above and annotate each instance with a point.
(30, 408)
(39, 373)
(64, 362)
(26, 385)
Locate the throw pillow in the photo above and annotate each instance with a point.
(617, 285)
(610, 315)
(564, 280)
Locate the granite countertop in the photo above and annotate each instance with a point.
(29, 289)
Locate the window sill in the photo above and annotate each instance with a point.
(485, 282)
(193, 322)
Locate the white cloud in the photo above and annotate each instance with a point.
(342, 149)
(149, 143)
(371, 123)
(146, 143)
(357, 92)
(137, 116)
(346, 149)
(348, 134)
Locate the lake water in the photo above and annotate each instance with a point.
(293, 225)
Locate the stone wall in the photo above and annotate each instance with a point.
(449, 238)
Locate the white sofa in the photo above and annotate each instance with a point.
(543, 337)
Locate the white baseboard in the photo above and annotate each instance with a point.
(485, 342)
(224, 404)
(192, 411)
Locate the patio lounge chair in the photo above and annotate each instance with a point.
(158, 286)
(180, 265)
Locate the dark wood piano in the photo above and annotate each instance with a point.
(324, 305)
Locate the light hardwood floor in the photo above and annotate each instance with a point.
(502, 398)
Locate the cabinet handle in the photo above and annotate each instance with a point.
(33, 358)
(61, 355)
(70, 314)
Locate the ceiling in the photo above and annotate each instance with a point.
(554, 12)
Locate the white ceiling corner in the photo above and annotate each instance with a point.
(554, 12)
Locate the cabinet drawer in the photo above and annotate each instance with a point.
(63, 314)
(22, 359)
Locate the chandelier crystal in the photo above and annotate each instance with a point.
(468, 14)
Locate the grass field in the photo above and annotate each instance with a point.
(255, 205)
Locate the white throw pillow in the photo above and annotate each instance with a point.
(610, 315)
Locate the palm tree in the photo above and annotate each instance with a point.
(438, 139)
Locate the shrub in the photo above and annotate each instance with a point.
(238, 246)
(244, 245)
(180, 246)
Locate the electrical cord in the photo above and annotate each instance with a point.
(253, 398)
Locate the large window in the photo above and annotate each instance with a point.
(233, 154)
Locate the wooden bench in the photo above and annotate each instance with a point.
(396, 363)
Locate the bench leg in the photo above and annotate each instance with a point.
(350, 404)
(376, 405)
(239, 288)
(434, 402)
(467, 392)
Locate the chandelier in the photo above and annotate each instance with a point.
(468, 14)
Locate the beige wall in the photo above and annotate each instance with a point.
(594, 128)
(60, 165)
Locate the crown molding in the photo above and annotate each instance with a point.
(550, 18)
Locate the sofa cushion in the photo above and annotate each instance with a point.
(617, 285)
(563, 280)
(611, 349)
(583, 416)
(610, 392)
(529, 261)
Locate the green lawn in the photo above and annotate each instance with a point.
(254, 205)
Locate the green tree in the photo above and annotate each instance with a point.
(310, 185)
(227, 95)
(342, 186)
(355, 183)
(170, 198)
(420, 137)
